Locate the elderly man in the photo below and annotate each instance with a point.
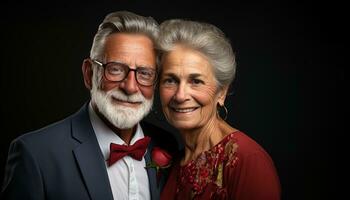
(102, 151)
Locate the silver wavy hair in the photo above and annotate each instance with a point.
(205, 38)
(122, 22)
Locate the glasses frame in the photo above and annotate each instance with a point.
(103, 65)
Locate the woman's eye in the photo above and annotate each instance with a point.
(169, 81)
(197, 81)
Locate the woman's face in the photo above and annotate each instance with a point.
(188, 89)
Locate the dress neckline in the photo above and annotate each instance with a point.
(206, 153)
(207, 167)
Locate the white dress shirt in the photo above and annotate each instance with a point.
(128, 177)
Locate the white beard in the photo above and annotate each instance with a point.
(122, 117)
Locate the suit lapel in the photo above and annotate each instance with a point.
(152, 175)
(89, 157)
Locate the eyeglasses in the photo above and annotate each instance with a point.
(117, 72)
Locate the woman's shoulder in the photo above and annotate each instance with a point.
(246, 146)
(252, 165)
(249, 155)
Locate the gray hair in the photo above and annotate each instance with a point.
(121, 22)
(205, 38)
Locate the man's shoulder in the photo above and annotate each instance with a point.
(56, 131)
(51, 132)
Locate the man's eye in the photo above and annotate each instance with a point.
(115, 70)
(146, 73)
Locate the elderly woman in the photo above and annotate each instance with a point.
(219, 161)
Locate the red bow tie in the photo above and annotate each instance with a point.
(136, 150)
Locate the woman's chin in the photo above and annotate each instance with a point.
(184, 125)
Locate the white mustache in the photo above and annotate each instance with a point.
(134, 98)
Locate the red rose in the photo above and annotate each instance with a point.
(160, 160)
(160, 157)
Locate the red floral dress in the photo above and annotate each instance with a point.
(221, 173)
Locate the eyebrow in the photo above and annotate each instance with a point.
(195, 75)
(172, 75)
(137, 66)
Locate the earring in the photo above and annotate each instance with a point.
(222, 107)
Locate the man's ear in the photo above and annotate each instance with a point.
(222, 95)
(87, 72)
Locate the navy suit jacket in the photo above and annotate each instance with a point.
(63, 161)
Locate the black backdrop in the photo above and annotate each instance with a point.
(286, 95)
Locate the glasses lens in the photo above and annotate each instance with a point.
(145, 76)
(116, 71)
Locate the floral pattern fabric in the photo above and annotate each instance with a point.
(237, 168)
(207, 170)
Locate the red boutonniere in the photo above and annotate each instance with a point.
(160, 160)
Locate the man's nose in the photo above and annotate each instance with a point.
(129, 84)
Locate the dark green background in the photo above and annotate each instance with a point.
(287, 94)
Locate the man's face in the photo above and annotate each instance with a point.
(124, 103)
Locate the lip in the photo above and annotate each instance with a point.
(126, 103)
(184, 110)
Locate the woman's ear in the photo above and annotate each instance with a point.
(87, 72)
(222, 95)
